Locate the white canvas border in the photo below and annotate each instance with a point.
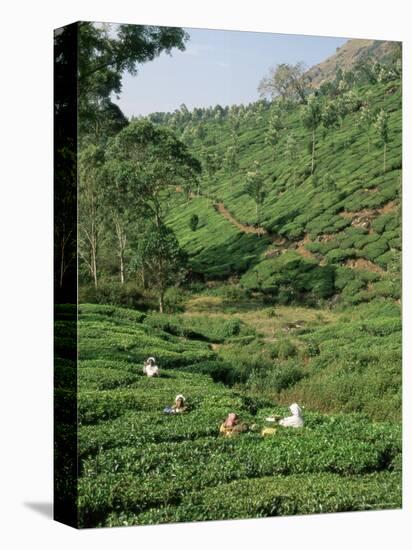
(26, 274)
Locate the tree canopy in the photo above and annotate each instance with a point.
(286, 80)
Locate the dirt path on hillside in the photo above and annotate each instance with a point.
(283, 244)
(365, 265)
(363, 218)
(221, 208)
(303, 251)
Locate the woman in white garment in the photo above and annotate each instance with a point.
(150, 368)
(294, 421)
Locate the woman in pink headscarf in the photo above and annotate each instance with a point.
(232, 425)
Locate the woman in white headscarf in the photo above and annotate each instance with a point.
(294, 421)
(178, 406)
(150, 368)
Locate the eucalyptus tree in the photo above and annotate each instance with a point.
(144, 166)
(210, 162)
(311, 118)
(91, 161)
(292, 154)
(331, 117)
(274, 127)
(231, 160)
(382, 128)
(286, 80)
(160, 258)
(255, 188)
(234, 122)
(107, 51)
(219, 115)
(365, 122)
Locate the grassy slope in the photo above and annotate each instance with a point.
(217, 248)
(328, 360)
(140, 466)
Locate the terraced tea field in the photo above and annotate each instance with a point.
(139, 466)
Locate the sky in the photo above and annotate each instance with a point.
(217, 67)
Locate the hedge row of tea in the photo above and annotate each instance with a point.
(139, 466)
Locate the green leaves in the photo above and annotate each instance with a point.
(312, 112)
(255, 187)
(381, 126)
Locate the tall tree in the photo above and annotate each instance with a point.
(311, 118)
(153, 162)
(161, 258)
(234, 123)
(255, 188)
(286, 80)
(231, 160)
(292, 153)
(219, 115)
(107, 51)
(365, 121)
(120, 214)
(144, 165)
(331, 117)
(382, 128)
(210, 162)
(274, 127)
(90, 165)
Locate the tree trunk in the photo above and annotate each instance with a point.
(121, 267)
(121, 240)
(161, 301)
(313, 151)
(61, 266)
(384, 157)
(157, 219)
(94, 267)
(143, 276)
(93, 249)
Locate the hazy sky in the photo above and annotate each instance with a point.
(222, 67)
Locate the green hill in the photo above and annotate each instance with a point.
(343, 220)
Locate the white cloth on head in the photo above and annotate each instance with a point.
(151, 370)
(180, 396)
(294, 421)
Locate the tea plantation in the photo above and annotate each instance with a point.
(335, 231)
(268, 238)
(139, 466)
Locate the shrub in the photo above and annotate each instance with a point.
(339, 255)
(283, 349)
(375, 249)
(174, 300)
(231, 328)
(112, 293)
(194, 222)
(219, 371)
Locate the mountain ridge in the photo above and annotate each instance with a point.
(347, 55)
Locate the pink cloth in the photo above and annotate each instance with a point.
(231, 420)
